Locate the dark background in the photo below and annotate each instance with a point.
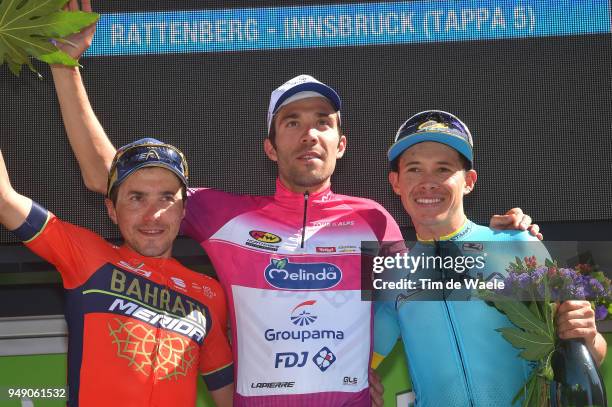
(539, 110)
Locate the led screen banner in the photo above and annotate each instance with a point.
(340, 25)
(531, 79)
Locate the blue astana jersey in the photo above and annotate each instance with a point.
(455, 355)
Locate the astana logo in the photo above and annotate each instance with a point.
(173, 355)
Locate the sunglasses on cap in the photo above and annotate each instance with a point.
(433, 125)
(434, 121)
(146, 153)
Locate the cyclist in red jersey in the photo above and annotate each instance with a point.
(141, 326)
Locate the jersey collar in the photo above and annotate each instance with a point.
(455, 235)
(293, 200)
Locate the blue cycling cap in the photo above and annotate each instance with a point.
(301, 87)
(437, 126)
(146, 152)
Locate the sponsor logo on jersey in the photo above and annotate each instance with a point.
(183, 326)
(123, 284)
(290, 359)
(272, 335)
(136, 269)
(283, 274)
(263, 240)
(207, 291)
(348, 249)
(271, 385)
(466, 231)
(324, 358)
(326, 250)
(301, 314)
(179, 283)
(328, 224)
(264, 237)
(348, 380)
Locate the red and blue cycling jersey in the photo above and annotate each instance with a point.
(140, 328)
(291, 268)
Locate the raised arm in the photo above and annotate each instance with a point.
(92, 148)
(14, 208)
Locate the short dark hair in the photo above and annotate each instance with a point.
(465, 163)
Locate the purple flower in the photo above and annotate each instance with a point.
(601, 312)
(564, 284)
(524, 280)
(578, 293)
(596, 290)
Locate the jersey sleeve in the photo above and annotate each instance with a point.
(393, 241)
(216, 363)
(386, 330)
(68, 247)
(523, 244)
(209, 209)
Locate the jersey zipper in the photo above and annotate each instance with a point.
(465, 379)
(454, 331)
(304, 219)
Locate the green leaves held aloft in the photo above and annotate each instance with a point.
(28, 26)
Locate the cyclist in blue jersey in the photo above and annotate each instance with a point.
(455, 356)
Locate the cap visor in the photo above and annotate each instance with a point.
(319, 88)
(455, 142)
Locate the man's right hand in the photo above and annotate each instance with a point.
(78, 43)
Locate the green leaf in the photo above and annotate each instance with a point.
(523, 391)
(535, 310)
(518, 263)
(520, 315)
(535, 353)
(549, 263)
(59, 57)
(28, 26)
(531, 390)
(549, 309)
(547, 370)
(535, 346)
(281, 263)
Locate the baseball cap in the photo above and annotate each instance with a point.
(146, 152)
(433, 125)
(300, 87)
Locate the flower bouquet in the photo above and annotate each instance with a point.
(529, 299)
